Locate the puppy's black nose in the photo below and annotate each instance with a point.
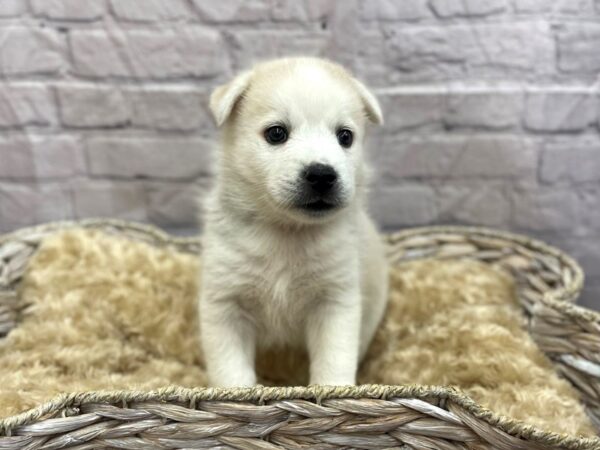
(320, 177)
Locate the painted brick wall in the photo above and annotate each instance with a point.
(492, 107)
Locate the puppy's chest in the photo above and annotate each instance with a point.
(287, 274)
(282, 284)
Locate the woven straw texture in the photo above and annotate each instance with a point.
(324, 417)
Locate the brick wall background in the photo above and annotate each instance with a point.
(492, 107)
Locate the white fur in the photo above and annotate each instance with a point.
(273, 275)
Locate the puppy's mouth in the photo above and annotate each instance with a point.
(318, 206)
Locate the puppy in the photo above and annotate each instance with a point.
(290, 255)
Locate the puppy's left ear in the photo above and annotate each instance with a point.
(370, 102)
(224, 98)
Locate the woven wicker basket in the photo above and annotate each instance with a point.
(371, 416)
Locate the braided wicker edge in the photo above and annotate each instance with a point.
(555, 299)
(260, 395)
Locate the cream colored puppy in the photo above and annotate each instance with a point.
(290, 256)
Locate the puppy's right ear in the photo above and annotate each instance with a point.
(224, 98)
(371, 105)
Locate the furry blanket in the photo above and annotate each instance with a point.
(107, 313)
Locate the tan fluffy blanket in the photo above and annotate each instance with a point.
(108, 313)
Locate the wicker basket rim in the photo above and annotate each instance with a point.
(261, 394)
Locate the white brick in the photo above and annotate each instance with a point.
(544, 209)
(471, 49)
(509, 157)
(589, 208)
(590, 296)
(11, 8)
(559, 111)
(177, 109)
(233, 10)
(145, 157)
(35, 157)
(150, 10)
(467, 8)
(69, 9)
(414, 158)
(31, 51)
(490, 110)
(586, 252)
(394, 10)
(302, 10)
(176, 205)
(458, 157)
(24, 205)
(405, 110)
(566, 161)
(84, 106)
(403, 205)
(189, 51)
(110, 199)
(17, 159)
(582, 7)
(578, 45)
(366, 56)
(26, 104)
(479, 203)
(453, 106)
(250, 47)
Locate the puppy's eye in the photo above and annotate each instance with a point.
(345, 137)
(276, 135)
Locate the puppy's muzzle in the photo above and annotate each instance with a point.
(319, 188)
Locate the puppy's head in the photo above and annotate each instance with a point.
(293, 136)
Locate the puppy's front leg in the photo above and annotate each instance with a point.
(333, 334)
(228, 341)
